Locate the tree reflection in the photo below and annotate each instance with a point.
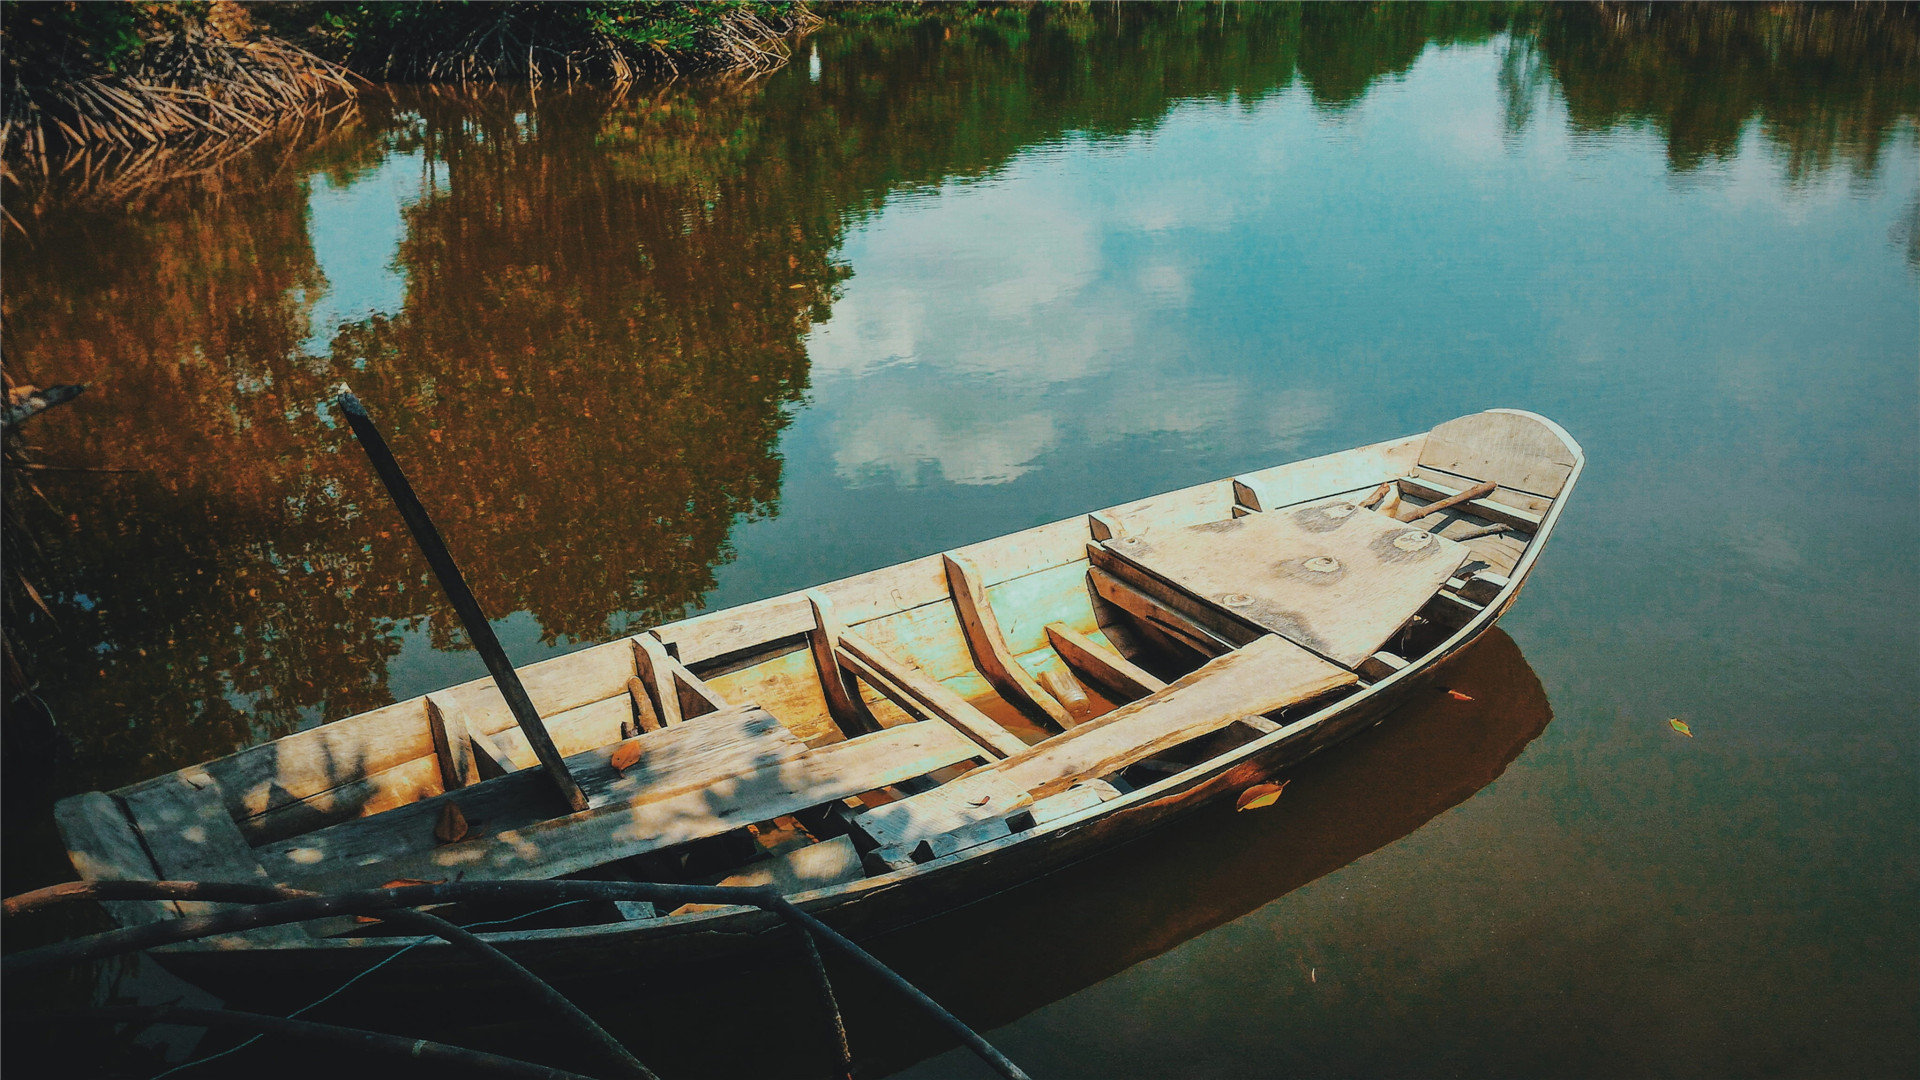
(605, 304)
(1827, 84)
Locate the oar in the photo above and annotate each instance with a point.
(1477, 491)
(479, 630)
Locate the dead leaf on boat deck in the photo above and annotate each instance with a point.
(1680, 726)
(1260, 795)
(625, 757)
(452, 825)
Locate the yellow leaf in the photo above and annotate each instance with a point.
(1680, 726)
(405, 882)
(452, 825)
(1260, 795)
(625, 756)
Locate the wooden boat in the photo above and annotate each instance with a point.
(887, 746)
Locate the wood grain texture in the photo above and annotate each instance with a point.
(103, 846)
(989, 647)
(191, 837)
(452, 747)
(1171, 616)
(1263, 677)
(843, 704)
(654, 668)
(1119, 677)
(673, 761)
(1314, 478)
(1332, 578)
(1434, 486)
(1512, 449)
(575, 842)
(920, 694)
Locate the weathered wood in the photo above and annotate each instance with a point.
(914, 691)
(673, 761)
(400, 785)
(479, 630)
(191, 837)
(843, 704)
(1159, 613)
(875, 594)
(1449, 611)
(645, 717)
(594, 724)
(905, 822)
(1349, 470)
(487, 754)
(989, 647)
(696, 697)
(1114, 674)
(452, 747)
(565, 845)
(1481, 506)
(1102, 527)
(1481, 588)
(1068, 692)
(816, 866)
(103, 846)
(1409, 512)
(1265, 676)
(1081, 796)
(1380, 665)
(1333, 578)
(1510, 448)
(655, 669)
(970, 836)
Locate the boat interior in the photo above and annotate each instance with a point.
(881, 724)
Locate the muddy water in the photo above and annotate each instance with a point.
(694, 344)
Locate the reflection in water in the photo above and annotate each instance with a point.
(1005, 956)
(704, 342)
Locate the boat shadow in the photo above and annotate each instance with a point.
(1004, 956)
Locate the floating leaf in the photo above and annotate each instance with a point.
(405, 882)
(1680, 726)
(625, 756)
(452, 825)
(1260, 795)
(1458, 696)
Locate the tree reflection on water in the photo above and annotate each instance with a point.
(606, 301)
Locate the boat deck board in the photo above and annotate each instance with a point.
(365, 854)
(1334, 578)
(1265, 676)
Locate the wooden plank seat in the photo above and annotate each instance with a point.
(695, 779)
(1264, 677)
(1334, 578)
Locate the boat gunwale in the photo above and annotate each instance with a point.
(736, 920)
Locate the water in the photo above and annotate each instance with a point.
(702, 343)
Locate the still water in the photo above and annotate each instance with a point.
(694, 344)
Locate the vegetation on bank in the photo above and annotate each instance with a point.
(136, 74)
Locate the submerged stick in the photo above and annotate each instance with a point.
(479, 630)
(422, 922)
(302, 906)
(467, 1061)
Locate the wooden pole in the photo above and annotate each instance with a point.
(479, 630)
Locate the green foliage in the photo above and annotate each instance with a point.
(415, 38)
(88, 37)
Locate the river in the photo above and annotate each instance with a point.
(687, 345)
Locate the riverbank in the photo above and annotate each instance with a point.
(135, 79)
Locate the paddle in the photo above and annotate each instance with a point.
(479, 630)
